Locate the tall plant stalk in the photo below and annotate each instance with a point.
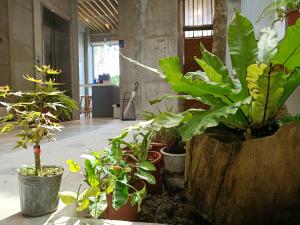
(220, 29)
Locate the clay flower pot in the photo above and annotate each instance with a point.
(292, 17)
(155, 158)
(127, 212)
(156, 147)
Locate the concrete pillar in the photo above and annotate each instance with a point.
(21, 38)
(150, 30)
(4, 44)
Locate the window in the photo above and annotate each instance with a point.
(198, 18)
(106, 60)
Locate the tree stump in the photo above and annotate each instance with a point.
(246, 183)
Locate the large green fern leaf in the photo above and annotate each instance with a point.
(266, 89)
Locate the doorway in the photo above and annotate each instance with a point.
(56, 47)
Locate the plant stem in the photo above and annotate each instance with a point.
(268, 94)
(37, 160)
(246, 118)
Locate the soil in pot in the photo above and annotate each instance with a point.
(292, 17)
(127, 212)
(39, 194)
(156, 147)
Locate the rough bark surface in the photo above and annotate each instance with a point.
(252, 182)
(220, 29)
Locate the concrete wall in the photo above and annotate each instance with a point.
(4, 45)
(21, 42)
(150, 29)
(21, 35)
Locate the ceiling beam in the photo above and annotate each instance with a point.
(115, 23)
(92, 16)
(91, 20)
(115, 16)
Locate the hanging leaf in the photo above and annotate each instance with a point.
(120, 194)
(172, 71)
(267, 45)
(292, 82)
(97, 205)
(146, 165)
(266, 89)
(211, 118)
(74, 167)
(289, 48)
(211, 73)
(217, 64)
(145, 175)
(68, 197)
(137, 197)
(242, 48)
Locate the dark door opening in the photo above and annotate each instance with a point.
(56, 47)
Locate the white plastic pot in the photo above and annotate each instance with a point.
(173, 162)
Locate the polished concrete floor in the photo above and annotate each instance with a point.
(77, 137)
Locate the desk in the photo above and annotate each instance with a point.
(103, 97)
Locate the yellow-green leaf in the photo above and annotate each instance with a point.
(73, 166)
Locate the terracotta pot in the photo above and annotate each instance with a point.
(156, 147)
(292, 17)
(127, 212)
(156, 159)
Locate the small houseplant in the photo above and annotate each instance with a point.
(33, 113)
(169, 143)
(282, 9)
(139, 152)
(237, 166)
(114, 186)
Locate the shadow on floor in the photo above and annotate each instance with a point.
(59, 218)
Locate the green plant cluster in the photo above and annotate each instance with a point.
(113, 173)
(266, 72)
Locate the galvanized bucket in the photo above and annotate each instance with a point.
(39, 195)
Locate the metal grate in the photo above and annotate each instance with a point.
(198, 18)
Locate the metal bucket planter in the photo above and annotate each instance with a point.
(39, 195)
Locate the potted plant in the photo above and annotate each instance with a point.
(239, 157)
(114, 187)
(282, 9)
(31, 113)
(137, 153)
(168, 142)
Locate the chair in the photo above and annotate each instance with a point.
(87, 108)
(129, 99)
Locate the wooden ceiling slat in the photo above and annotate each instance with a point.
(115, 8)
(110, 11)
(104, 8)
(82, 20)
(91, 19)
(107, 21)
(90, 25)
(115, 23)
(98, 15)
(96, 19)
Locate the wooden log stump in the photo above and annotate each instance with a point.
(242, 183)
